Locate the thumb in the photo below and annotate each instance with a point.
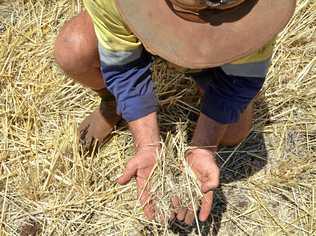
(210, 186)
(129, 172)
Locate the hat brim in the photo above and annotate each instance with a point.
(224, 36)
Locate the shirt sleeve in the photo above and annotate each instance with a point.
(127, 75)
(125, 65)
(111, 31)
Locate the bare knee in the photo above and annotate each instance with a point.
(76, 46)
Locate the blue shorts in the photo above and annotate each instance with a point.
(228, 90)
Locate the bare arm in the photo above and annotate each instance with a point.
(208, 133)
(201, 158)
(145, 131)
(146, 137)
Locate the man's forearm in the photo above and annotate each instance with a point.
(145, 131)
(208, 133)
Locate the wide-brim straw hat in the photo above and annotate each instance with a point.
(205, 38)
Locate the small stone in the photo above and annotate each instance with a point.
(29, 228)
(2, 28)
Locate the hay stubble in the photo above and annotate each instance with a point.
(268, 182)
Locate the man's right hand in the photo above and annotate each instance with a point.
(141, 167)
(147, 144)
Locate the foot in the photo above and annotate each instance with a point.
(97, 128)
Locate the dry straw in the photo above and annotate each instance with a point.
(268, 181)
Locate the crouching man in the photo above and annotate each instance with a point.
(228, 43)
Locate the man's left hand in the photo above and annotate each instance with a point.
(203, 164)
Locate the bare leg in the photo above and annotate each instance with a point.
(237, 132)
(77, 54)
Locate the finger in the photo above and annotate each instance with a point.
(176, 203)
(149, 211)
(189, 216)
(180, 212)
(210, 186)
(206, 207)
(211, 181)
(145, 199)
(162, 217)
(172, 216)
(129, 172)
(142, 190)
